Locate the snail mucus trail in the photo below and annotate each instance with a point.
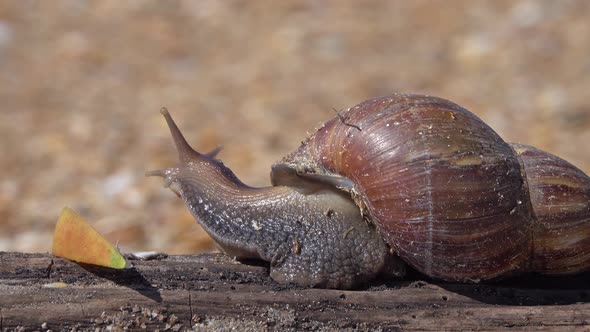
(312, 233)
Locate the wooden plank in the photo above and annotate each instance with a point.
(213, 292)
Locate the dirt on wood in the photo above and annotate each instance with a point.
(215, 293)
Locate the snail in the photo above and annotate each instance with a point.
(396, 181)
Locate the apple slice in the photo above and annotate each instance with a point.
(76, 240)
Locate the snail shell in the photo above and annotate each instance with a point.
(447, 194)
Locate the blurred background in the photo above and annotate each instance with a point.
(82, 82)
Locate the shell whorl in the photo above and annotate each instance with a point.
(446, 192)
(560, 203)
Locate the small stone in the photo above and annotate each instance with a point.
(473, 47)
(526, 13)
(117, 183)
(74, 44)
(6, 34)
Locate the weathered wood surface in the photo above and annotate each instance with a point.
(213, 292)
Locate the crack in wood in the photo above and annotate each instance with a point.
(190, 306)
(48, 270)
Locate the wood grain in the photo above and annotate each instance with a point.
(215, 293)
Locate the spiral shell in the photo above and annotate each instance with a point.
(448, 195)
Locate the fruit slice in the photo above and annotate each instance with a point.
(76, 240)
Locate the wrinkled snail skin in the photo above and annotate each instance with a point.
(401, 178)
(313, 237)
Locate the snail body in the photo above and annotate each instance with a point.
(401, 179)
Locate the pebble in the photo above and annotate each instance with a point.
(526, 13)
(6, 34)
(117, 183)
